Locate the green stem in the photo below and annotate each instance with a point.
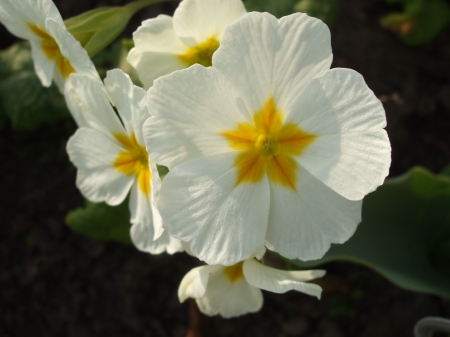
(134, 7)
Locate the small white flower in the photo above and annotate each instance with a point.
(110, 156)
(163, 44)
(56, 53)
(235, 290)
(268, 146)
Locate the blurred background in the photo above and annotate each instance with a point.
(55, 282)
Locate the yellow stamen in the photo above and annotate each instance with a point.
(267, 147)
(201, 54)
(52, 51)
(234, 273)
(134, 161)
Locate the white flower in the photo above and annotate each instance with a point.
(163, 44)
(56, 53)
(268, 146)
(235, 290)
(110, 156)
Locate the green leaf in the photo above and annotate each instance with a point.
(100, 221)
(420, 21)
(404, 235)
(23, 99)
(324, 10)
(278, 8)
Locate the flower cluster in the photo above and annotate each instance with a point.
(266, 146)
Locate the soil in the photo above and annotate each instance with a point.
(54, 282)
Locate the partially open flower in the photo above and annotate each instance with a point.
(163, 44)
(268, 146)
(56, 53)
(110, 154)
(235, 290)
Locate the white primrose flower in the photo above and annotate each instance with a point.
(235, 290)
(268, 146)
(163, 44)
(110, 156)
(56, 53)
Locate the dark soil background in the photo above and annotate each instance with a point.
(54, 282)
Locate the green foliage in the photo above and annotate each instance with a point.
(97, 28)
(100, 221)
(405, 233)
(23, 100)
(420, 21)
(322, 9)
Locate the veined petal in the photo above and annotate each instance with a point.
(94, 154)
(43, 66)
(75, 56)
(195, 282)
(190, 118)
(303, 51)
(351, 153)
(224, 223)
(229, 298)
(195, 21)
(14, 20)
(281, 281)
(303, 223)
(129, 101)
(88, 102)
(246, 57)
(38, 11)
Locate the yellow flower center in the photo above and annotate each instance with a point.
(267, 147)
(52, 51)
(134, 161)
(234, 273)
(201, 54)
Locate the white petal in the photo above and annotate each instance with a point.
(38, 11)
(150, 65)
(246, 57)
(72, 50)
(93, 154)
(229, 299)
(129, 101)
(88, 102)
(43, 66)
(281, 281)
(303, 223)
(263, 56)
(195, 21)
(194, 282)
(14, 20)
(352, 153)
(156, 50)
(189, 118)
(303, 51)
(200, 204)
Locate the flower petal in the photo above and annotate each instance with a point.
(281, 281)
(264, 57)
(351, 153)
(72, 50)
(303, 223)
(14, 20)
(93, 154)
(224, 223)
(195, 21)
(43, 66)
(88, 102)
(156, 50)
(190, 118)
(194, 283)
(229, 299)
(129, 101)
